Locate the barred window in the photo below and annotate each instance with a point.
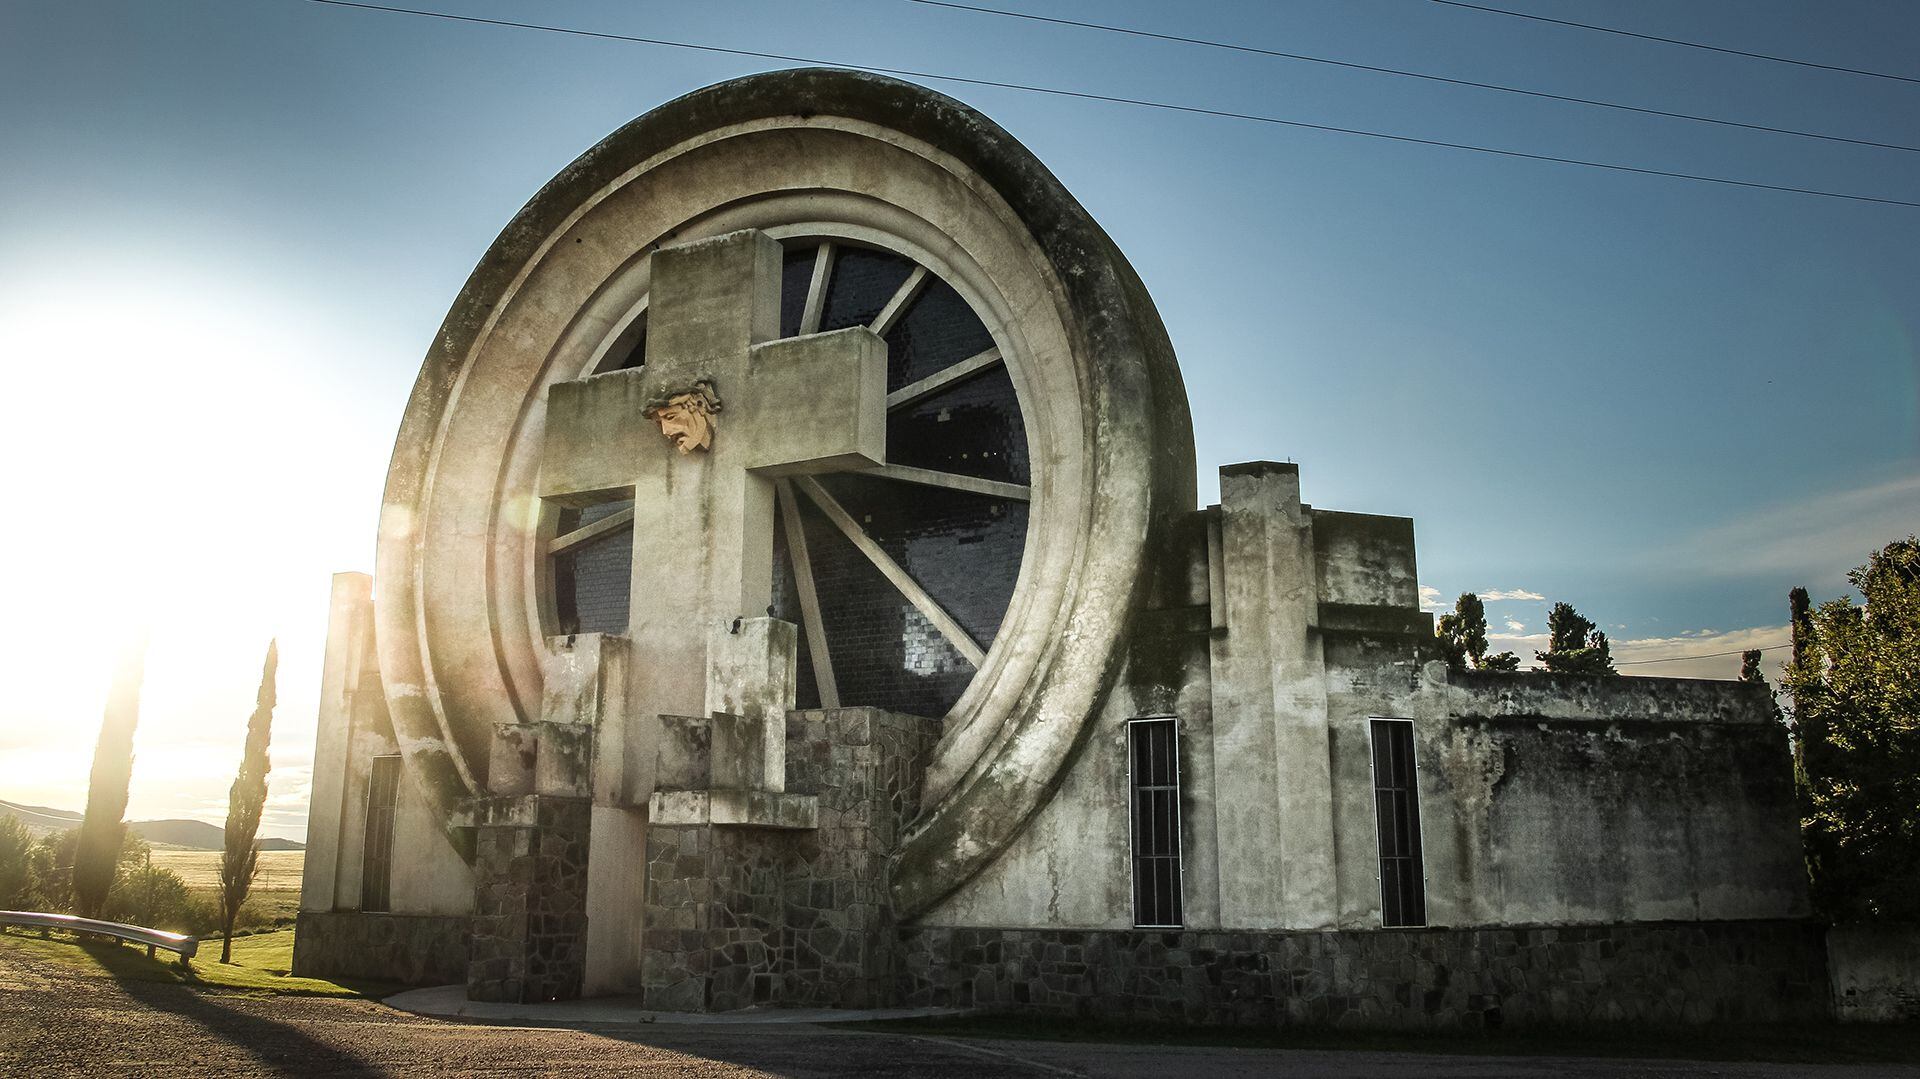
(376, 873)
(1153, 747)
(1396, 804)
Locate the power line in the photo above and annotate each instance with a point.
(1708, 655)
(1678, 41)
(1350, 65)
(1194, 110)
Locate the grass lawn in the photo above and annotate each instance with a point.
(260, 964)
(1808, 1043)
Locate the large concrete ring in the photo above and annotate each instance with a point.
(796, 153)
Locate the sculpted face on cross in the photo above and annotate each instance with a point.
(686, 418)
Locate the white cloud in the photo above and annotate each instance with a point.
(1702, 653)
(1696, 654)
(1516, 627)
(1495, 595)
(1811, 539)
(1430, 599)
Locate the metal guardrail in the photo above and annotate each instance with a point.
(137, 934)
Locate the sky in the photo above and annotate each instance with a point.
(230, 228)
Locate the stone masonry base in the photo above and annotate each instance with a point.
(412, 949)
(1672, 972)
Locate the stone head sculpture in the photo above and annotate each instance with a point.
(686, 416)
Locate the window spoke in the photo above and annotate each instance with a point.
(601, 527)
(940, 380)
(952, 481)
(817, 290)
(893, 572)
(814, 626)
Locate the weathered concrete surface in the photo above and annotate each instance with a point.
(349, 648)
(1274, 804)
(427, 876)
(877, 161)
(1876, 972)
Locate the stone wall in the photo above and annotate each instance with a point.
(530, 909)
(413, 949)
(1759, 971)
(738, 916)
(1876, 972)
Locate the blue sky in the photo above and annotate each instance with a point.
(229, 229)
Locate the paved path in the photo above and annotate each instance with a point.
(55, 1021)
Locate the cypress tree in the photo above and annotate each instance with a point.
(97, 853)
(245, 802)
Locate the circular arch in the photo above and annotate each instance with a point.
(457, 617)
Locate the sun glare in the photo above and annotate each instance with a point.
(179, 473)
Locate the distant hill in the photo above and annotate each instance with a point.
(184, 834)
(39, 819)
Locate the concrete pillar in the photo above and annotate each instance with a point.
(349, 640)
(1273, 785)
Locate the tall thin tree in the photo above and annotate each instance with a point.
(244, 804)
(97, 852)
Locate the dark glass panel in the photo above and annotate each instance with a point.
(1396, 801)
(863, 282)
(376, 866)
(572, 519)
(1155, 822)
(885, 653)
(796, 273)
(973, 428)
(938, 331)
(592, 583)
(636, 356)
(964, 549)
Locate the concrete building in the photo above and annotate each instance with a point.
(791, 590)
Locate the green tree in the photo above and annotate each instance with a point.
(16, 869)
(1750, 666)
(1574, 645)
(159, 899)
(244, 803)
(104, 827)
(1854, 691)
(1463, 634)
(1463, 637)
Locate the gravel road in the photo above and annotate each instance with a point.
(56, 1021)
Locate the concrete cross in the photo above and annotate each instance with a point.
(703, 524)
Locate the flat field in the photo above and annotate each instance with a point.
(275, 897)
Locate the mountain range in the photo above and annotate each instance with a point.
(176, 834)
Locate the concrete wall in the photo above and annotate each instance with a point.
(429, 876)
(1544, 799)
(1072, 865)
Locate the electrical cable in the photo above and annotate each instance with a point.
(1114, 99)
(1708, 655)
(1679, 41)
(1256, 50)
